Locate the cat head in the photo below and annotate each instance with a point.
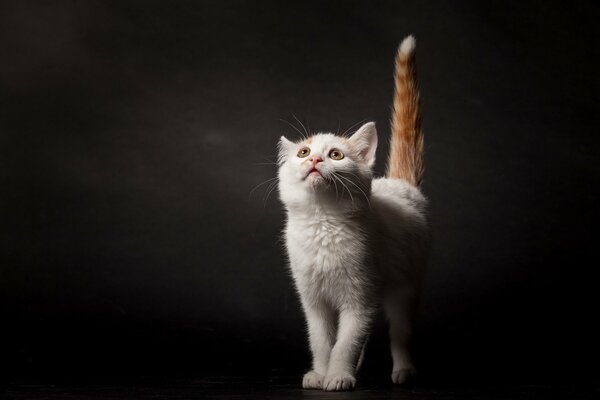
(328, 168)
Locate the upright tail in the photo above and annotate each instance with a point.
(406, 145)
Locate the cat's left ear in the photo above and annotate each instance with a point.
(284, 148)
(365, 141)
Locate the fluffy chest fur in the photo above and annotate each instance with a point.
(329, 256)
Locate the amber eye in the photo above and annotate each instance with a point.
(303, 152)
(336, 154)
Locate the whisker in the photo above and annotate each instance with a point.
(259, 185)
(350, 173)
(296, 129)
(332, 181)
(344, 185)
(336, 190)
(352, 126)
(272, 187)
(302, 125)
(359, 188)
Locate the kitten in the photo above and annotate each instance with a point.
(355, 243)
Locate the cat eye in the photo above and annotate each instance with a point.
(336, 154)
(303, 152)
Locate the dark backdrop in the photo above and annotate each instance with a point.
(132, 134)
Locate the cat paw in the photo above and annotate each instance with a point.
(334, 383)
(403, 376)
(312, 380)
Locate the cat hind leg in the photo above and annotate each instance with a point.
(399, 311)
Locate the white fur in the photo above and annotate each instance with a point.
(355, 244)
(408, 45)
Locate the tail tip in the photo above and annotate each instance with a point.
(408, 45)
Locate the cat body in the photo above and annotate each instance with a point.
(357, 244)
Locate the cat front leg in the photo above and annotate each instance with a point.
(352, 333)
(321, 332)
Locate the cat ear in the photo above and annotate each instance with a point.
(284, 148)
(365, 141)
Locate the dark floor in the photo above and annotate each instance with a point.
(280, 388)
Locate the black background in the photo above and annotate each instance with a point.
(132, 135)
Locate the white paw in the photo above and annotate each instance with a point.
(312, 380)
(337, 382)
(403, 375)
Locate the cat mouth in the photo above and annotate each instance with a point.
(314, 172)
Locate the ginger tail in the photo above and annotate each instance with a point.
(406, 145)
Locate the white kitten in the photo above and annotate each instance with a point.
(355, 243)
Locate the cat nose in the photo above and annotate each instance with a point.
(315, 159)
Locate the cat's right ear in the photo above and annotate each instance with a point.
(284, 148)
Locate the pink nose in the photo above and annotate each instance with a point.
(315, 159)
